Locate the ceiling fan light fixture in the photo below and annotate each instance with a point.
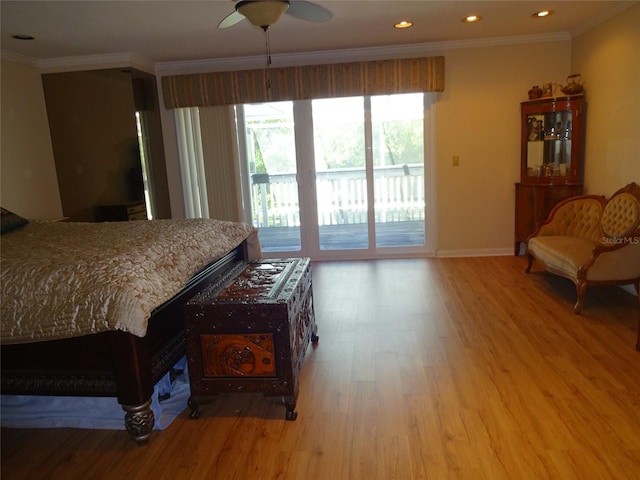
(262, 14)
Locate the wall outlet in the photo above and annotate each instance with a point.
(455, 161)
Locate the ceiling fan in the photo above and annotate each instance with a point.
(264, 13)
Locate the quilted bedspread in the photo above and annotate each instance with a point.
(66, 279)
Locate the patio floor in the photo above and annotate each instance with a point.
(345, 237)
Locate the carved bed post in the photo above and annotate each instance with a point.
(139, 421)
(134, 383)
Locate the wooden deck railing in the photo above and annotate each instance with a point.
(342, 196)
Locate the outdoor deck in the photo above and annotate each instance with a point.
(344, 237)
(342, 208)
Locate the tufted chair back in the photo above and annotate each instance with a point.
(621, 216)
(579, 217)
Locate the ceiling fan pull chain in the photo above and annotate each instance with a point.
(268, 59)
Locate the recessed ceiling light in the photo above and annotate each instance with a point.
(22, 37)
(472, 19)
(542, 13)
(403, 24)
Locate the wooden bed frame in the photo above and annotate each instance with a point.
(112, 364)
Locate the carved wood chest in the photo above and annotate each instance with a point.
(250, 331)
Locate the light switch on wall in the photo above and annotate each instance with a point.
(456, 161)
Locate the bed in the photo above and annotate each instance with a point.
(95, 309)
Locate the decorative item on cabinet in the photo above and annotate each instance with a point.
(551, 159)
(548, 89)
(573, 86)
(535, 92)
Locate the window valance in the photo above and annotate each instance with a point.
(382, 77)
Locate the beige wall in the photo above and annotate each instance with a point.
(608, 57)
(478, 119)
(27, 169)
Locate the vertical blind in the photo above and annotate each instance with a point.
(220, 150)
(189, 140)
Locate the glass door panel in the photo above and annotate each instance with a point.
(549, 144)
(398, 169)
(271, 155)
(340, 173)
(337, 178)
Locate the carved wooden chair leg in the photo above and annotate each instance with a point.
(529, 263)
(581, 288)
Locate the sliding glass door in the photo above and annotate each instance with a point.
(397, 123)
(338, 178)
(341, 173)
(272, 174)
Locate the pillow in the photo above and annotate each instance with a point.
(11, 221)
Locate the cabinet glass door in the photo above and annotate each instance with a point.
(549, 144)
(551, 140)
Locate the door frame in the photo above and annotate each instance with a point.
(305, 165)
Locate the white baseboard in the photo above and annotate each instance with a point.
(487, 252)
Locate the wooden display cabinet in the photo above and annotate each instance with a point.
(551, 159)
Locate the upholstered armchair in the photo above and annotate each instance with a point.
(592, 241)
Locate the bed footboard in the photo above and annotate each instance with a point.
(111, 364)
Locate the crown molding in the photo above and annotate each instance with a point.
(85, 62)
(117, 60)
(17, 58)
(96, 62)
(348, 55)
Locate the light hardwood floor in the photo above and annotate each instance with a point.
(426, 369)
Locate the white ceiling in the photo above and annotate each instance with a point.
(186, 30)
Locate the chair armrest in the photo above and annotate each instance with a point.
(616, 260)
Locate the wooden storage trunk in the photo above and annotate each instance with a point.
(249, 333)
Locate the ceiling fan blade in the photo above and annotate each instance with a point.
(231, 19)
(308, 11)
